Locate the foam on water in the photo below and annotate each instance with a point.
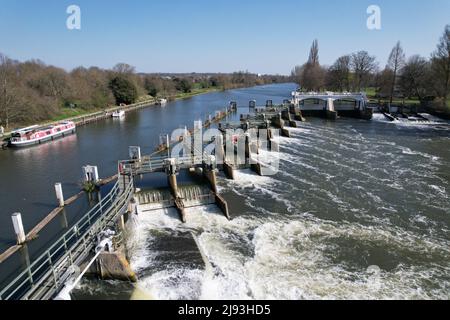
(293, 260)
(282, 249)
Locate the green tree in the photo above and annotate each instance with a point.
(183, 85)
(123, 90)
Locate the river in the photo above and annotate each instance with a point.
(358, 210)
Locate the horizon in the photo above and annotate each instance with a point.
(229, 34)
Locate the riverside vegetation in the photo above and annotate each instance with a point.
(33, 92)
(413, 80)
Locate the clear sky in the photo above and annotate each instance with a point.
(261, 36)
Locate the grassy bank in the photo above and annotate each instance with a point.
(72, 113)
(371, 94)
(194, 92)
(68, 113)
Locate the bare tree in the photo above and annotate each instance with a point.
(296, 74)
(124, 68)
(10, 107)
(441, 65)
(363, 65)
(338, 76)
(415, 79)
(396, 61)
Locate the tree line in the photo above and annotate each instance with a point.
(32, 91)
(415, 78)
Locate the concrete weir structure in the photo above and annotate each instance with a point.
(95, 243)
(330, 105)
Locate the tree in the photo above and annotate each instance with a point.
(123, 90)
(89, 89)
(363, 65)
(384, 83)
(441, 65)
(395, 63)
(296, 74)
(153, 85)
(415, 79)
(313, 58)
(11, 107)
(123, 68)
(312, 74)
(50, 82)
(338, 76)
(183, 85)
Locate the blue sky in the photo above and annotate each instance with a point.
(262, 36)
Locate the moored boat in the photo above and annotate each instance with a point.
(118, 114)
(162, 101)
(36, 135)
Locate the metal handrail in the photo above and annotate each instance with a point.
(153, 164)
(66, 246)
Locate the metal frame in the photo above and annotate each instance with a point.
(47, 274)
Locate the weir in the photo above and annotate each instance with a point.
(94, 245)
(330, 105)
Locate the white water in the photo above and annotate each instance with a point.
(290, 260)
(293, 253)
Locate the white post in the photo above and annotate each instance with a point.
(134, 152)
(95, 173)
(86, 173)
(198, 125)
(18, 227)
(59, 194)
(90, 173)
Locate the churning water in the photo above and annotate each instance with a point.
(358, 210)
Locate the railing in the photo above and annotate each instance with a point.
(48, 273)
(147, 164)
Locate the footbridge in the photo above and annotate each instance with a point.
(47, 275)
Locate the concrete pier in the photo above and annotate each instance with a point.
(171, 170)
(114, 266)
(179, 205)
(285, 133)
(228, 170)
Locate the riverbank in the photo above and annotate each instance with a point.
(81, 117)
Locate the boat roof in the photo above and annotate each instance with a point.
(45, 127)
(24, 129)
